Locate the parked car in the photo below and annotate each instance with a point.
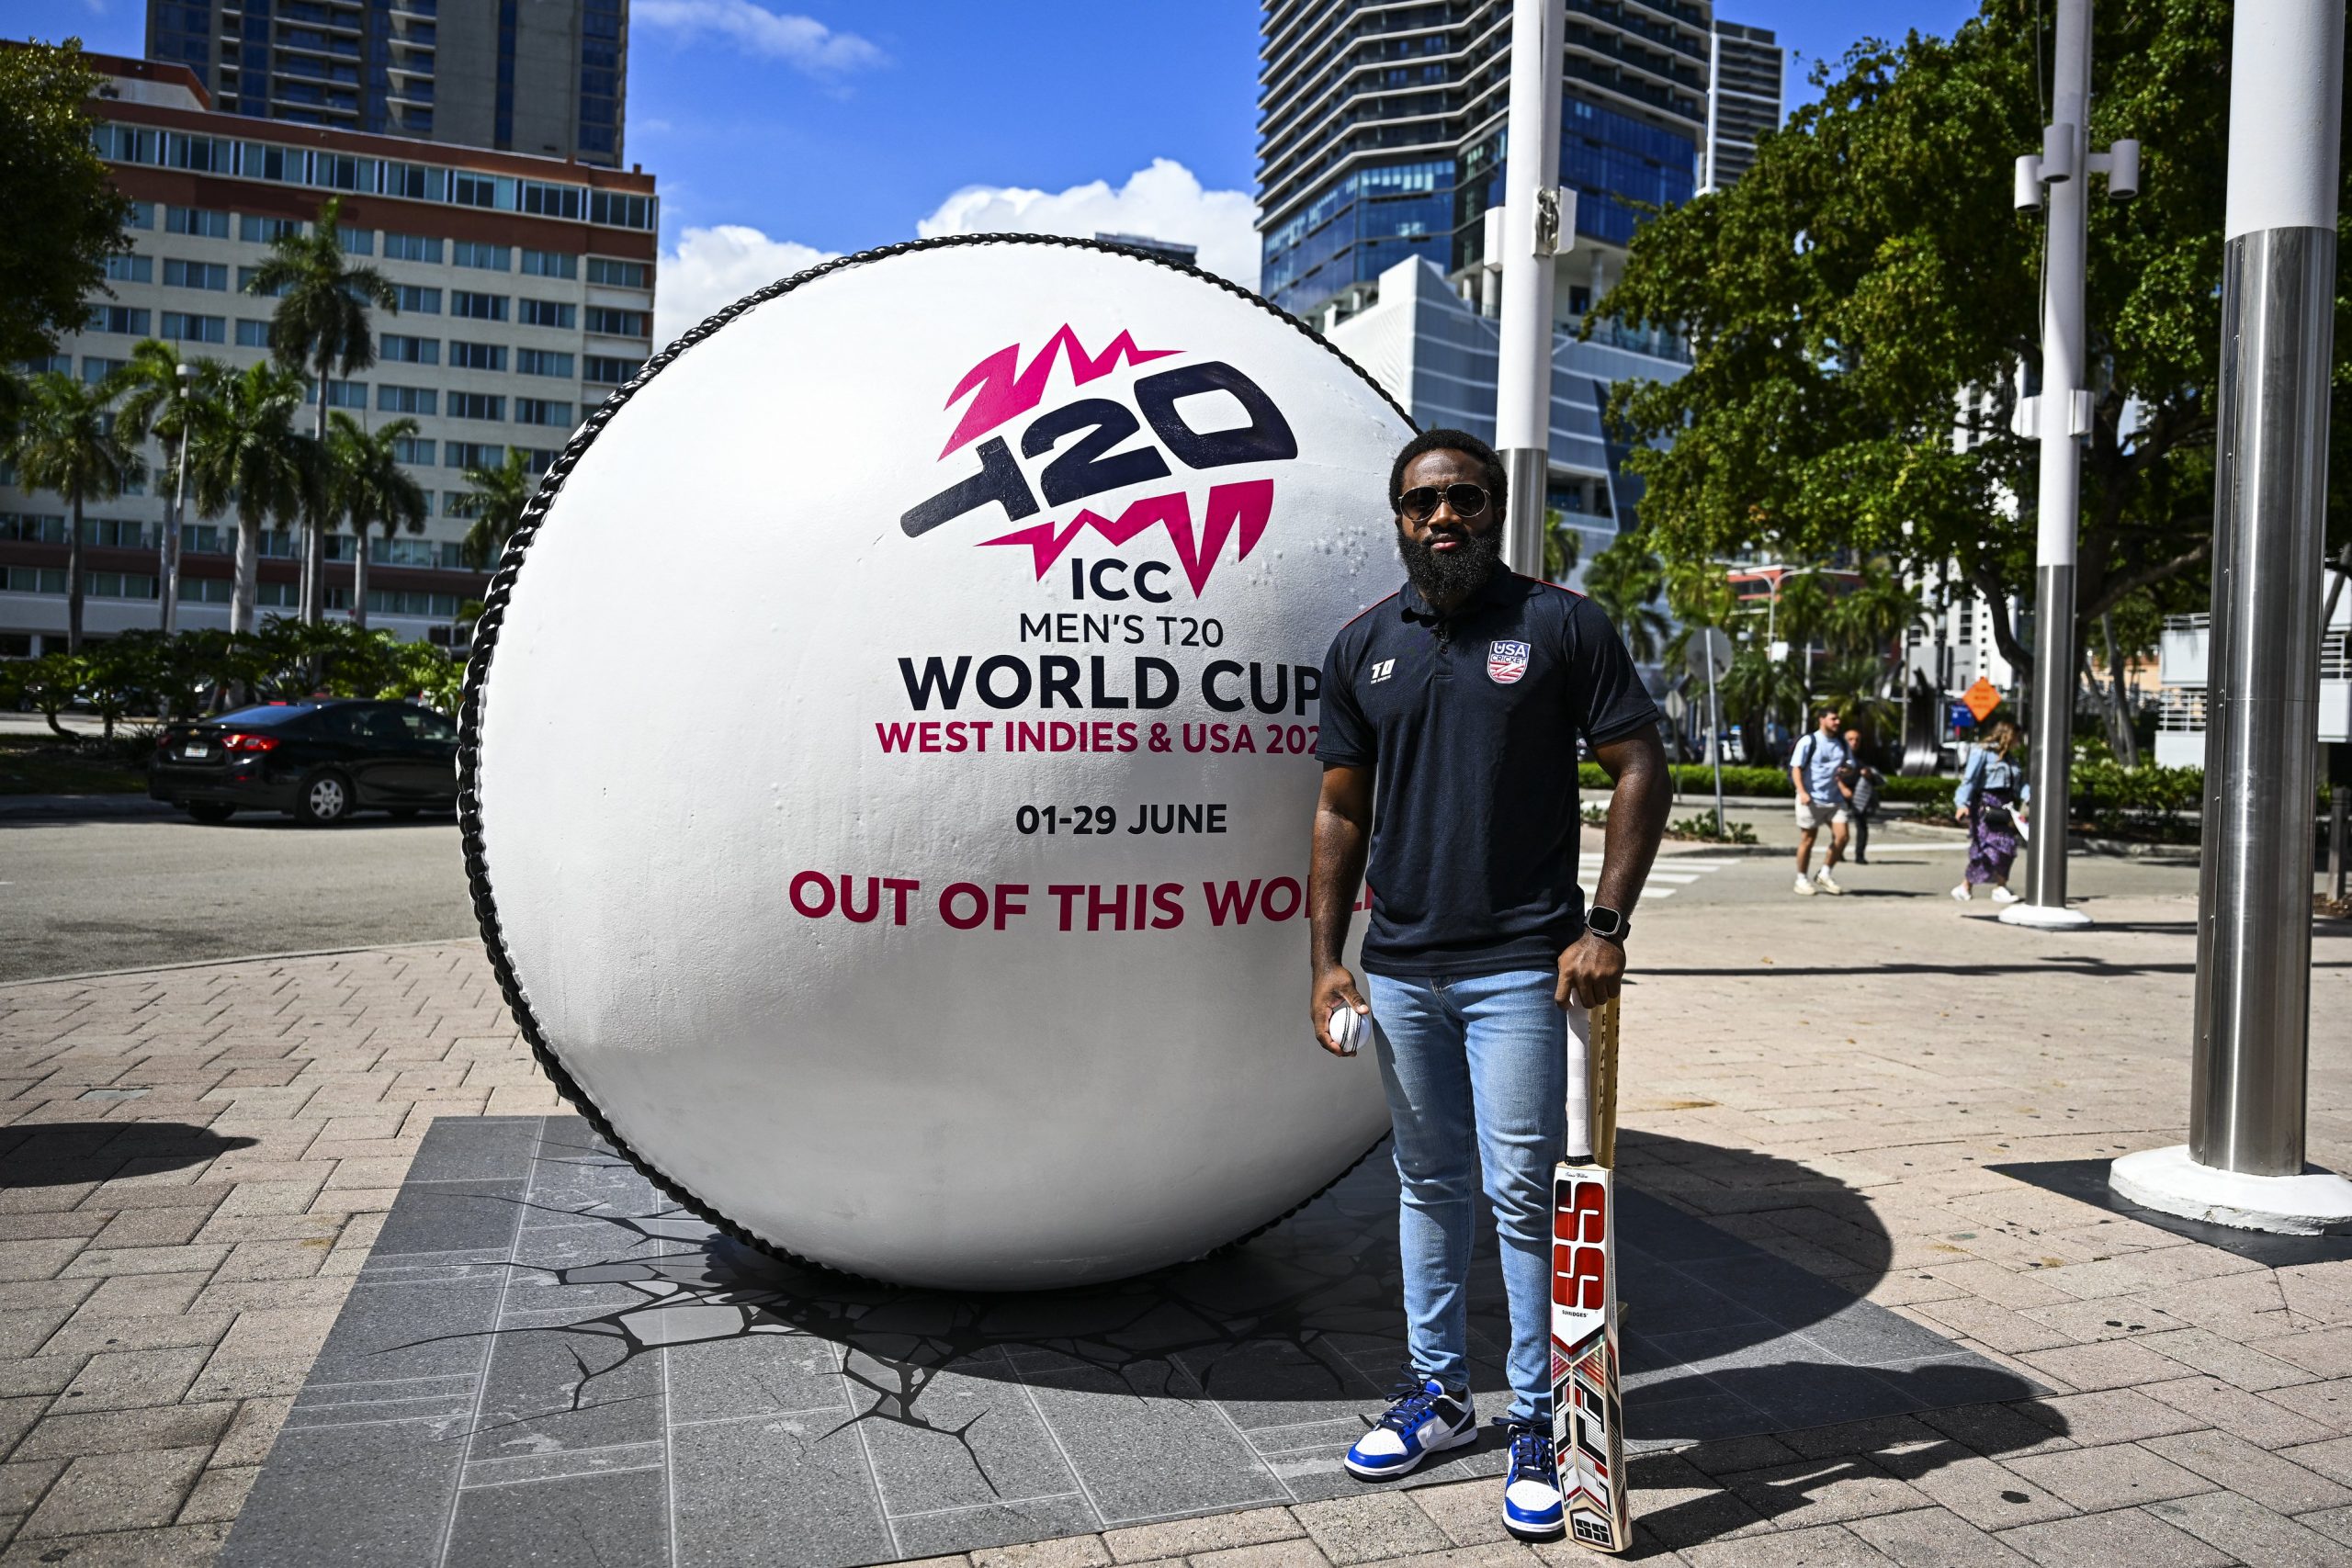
(318, 761)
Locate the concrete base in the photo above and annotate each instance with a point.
(2318, 1202)
(2044, 917)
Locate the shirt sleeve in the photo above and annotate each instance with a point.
(1346, 738)
(1969, 774)
(1604, 685)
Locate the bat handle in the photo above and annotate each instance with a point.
(1579, 1023)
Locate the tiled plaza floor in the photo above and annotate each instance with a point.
(1858, 1086)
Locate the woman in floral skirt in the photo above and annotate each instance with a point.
(1990, 799)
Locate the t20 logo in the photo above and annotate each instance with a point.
(1001, 389)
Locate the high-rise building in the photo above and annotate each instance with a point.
(526, 293)
(543, 77)
(1743, 100)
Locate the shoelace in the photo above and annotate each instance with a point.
(1410, 1407)
(1531, 1445)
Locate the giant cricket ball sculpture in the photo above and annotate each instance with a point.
(889, 761)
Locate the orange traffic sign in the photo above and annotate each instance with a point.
(1982, 698)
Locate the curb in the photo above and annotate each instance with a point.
(66, 806)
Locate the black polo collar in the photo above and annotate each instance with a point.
(1500, 586)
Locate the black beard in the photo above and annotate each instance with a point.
(1454, 575)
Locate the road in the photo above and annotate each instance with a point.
(134, 892)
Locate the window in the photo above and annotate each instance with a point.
(474, 191)
(551, 264)
(478, 307)
(546, 313)
(143, 215)
(204, 539)
(617, 273)
(357, 242)
(542, 362)
(340, 394)
(609, 370)
(471, 253)
(471, 454)
(256, 334)
(402, 349)
(477, 356)
(256, 230)
(180, 274)
(407, 602)
(245, 275)
(477, 405)
(118, 585)
(131, 269)
(542, 410)
(206, 590)
(617, 210)
(95, 369)
(415, 301)
(33, 580)
(459, 502)
(116, 319)
(202, 223)
(548, 201)
(540, 459)
(412, 247)
(180, 326)
(433, 553)
(619, 323)
(32, 530)
(412, 449)
(407, 399)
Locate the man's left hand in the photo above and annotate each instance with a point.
(1590, 972)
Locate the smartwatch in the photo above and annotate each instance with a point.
(1603, 922)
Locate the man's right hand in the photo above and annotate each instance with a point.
(1335, 989)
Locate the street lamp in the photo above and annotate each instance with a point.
(171, 554)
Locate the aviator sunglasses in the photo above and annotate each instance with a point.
(1419, 504)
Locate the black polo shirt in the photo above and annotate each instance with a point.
(1471, 724)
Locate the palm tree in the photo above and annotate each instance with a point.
(245, 453)
(497, 500)
(1563, 546)
(1626, 580)
(159, 402)
(372, 488)
(66, 440)
(1871, 617)
(1759, 687)
(320, 326)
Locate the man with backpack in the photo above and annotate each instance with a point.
(1814, 767)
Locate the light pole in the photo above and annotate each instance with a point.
(1537, 223)
(2059, 418)
(171, 562)
(2249, 1090)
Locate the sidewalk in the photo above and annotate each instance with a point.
(198, 1161)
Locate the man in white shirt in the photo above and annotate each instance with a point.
(1814, 767)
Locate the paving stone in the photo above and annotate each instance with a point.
(1470, 1513)
(2231, 1462)
(1210, 1532)
(117, 1492)
(218, 1495)
(152, 1227)
(2248, 1367)
(2329, 1403)
(1369, 1527)
(130, 1380)
(2129, 1536)
(1999, 1431)
(2112, 1416)
(115, 1262)
(1827, 1546)
(1072, 1551)
(2118, 1475)
(38, 1374)
(2112, 1363)
(1819, 1490)
(1988, 1495)
(179, 1546)
(124, 1431)
(1675, 1504)
(141, 1295)
(1300, 1553)
(1932, 1538)
(21, 1484)
(2249, 1532)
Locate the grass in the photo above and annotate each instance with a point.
(42, 764)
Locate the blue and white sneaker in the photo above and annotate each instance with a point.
(1532, 1510)
(1422, 1419)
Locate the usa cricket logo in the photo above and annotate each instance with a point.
(1089, 440)
(1587, 1424)
(1505, 662)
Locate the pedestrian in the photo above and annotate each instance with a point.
(1463, 697)
(1991, 799)
(1813, 768)
(1861, 784)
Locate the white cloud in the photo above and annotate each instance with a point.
(712, 268)
(800, 41)
(1164, 201)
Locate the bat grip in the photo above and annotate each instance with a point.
(1579, 1026)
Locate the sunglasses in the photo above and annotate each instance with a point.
(1419, 504)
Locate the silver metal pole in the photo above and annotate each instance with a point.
(2338, 798)
(169, 586)
(2254, 947)
(2052, 716)
(1716, 739)
(1523, 372)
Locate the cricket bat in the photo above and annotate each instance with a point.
(1588, 1422)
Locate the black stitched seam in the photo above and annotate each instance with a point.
(485, 642)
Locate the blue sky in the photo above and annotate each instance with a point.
(783, 129)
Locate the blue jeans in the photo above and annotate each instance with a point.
(1477, 1073)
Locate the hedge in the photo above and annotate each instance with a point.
(2109, 799)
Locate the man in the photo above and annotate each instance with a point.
(1860, 783)
(1461, 697)
(1813, 768)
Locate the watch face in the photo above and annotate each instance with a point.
(1606, 921)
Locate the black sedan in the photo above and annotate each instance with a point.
(318, 761)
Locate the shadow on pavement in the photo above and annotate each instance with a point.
(63, 1154)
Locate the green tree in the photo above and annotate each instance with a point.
(67, 441)
(158, 402)
(65, 215)
(1563, 546)
(496, 498)
(246, 455)
(1759, 688)
(372, 490)
(320, 327)
(1866, 288)
(1626, 581)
